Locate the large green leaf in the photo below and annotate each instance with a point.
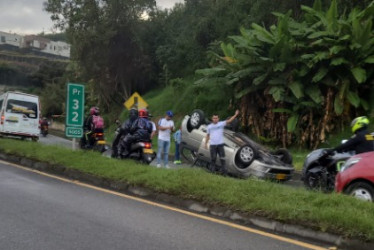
(338, 106)
(297, 89)
(370, 59)
(365, 104)
(246, 91)
(292, 122)
(258, 80)
(277, 93)
(322, 72)
(210, 71)
(338, 61)
(359, 74)
(315, 93)
(353, 98)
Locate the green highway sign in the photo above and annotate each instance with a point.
(75, 105)
(74, 132)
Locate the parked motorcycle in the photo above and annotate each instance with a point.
(98, 142)
(44, 129)
(320, 169)
(140, 150)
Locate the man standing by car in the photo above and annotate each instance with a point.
(215, 136)
(165, 127)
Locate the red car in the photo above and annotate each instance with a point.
(356, 177)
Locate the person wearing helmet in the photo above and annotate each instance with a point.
(124, 130)
(141, 129)
(362, 141)
(165, 127)
(86, 140)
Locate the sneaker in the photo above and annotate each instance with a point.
(179, 162)
(175, 162)
(158, 165)
(167, 166)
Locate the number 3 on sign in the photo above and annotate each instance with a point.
(75, 116)
(76, 104)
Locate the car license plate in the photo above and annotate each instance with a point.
(101, 142)
(280, 176)
(148, 151)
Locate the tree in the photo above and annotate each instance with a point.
(286, 75)
(104, 43)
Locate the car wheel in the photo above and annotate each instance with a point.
(196, 119)
(283, 155)
(362, 191)
(245, 156)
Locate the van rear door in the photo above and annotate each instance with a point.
(21, 115)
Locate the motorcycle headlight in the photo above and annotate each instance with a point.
(349, 163)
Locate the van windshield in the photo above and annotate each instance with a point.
(29, 109)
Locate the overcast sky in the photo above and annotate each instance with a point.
(28, 17)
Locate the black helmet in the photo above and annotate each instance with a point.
(133, 114)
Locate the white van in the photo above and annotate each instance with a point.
(19, 115)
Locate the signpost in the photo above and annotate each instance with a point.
(74, 111)
(135, 101)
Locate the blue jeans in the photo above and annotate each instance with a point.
(177, 154)
(163, 146)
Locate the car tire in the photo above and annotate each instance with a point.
(361, 190)
(245, 156)
(283, 155)
(197, 118)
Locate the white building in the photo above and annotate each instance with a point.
(10, 39)
(36, 43)
(57, 48)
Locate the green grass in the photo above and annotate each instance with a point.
(329, 213)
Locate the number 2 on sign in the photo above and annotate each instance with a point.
(75, 116)
(76, 104)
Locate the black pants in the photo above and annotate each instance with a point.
(214, 150)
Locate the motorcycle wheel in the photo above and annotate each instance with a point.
(147, 158)
(313, 181)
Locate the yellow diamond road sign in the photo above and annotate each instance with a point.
(135, 101)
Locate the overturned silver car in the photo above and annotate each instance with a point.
(243, 156)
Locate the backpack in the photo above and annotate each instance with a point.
(97, 122)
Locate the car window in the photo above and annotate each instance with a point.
(29, 109)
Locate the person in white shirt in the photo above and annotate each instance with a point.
(215, 137)
(165, 127)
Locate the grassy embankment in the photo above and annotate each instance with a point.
(330, 213)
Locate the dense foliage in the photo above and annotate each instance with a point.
(298, 80)
(283, 69)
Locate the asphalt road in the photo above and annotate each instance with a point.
(40, 212)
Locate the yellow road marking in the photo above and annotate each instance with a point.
(204, 217)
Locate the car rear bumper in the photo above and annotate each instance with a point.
(263, 171)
